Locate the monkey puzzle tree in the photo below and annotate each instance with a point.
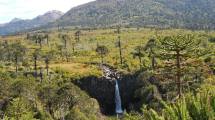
(67, 54)
(73, 46)
(47, 39)
(28, 36)
(102, 51)
(48, 57)
(35, 38)
(138, 53)
(119, 45)
(7, 51)
(77, 35)
(150, 49)
(60, 50)
(19, 52)
(65, 39)
(40, 40)
(3, 51)
(36, 55)
(26, 63)
(179, 48)
(41, 74)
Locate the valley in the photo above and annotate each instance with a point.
(60, 71)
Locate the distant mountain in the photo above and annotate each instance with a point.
(15, 20)
(195, 14)
(17, 24)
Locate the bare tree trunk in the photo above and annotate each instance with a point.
(67, 57)
(40, 44)
(47, 40)
(65, 44)
(73, 47)
(16, 60)
(102, 58)
(120, 52)
(178, 74)
(41, 75)
(78, 37)
(61, 54)
(47, 69)
(152, 58)
(35, 66)
(140, 60)
(153, 62)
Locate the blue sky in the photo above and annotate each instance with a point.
(27, 9)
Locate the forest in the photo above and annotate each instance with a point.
(59, 74)
(189, 14)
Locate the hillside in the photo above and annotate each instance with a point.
(62, 78)
(193, 14)
(17, 24)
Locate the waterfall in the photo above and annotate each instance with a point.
(118, 99)
(113, 75)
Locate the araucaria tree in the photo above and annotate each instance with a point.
(77, 35)
(19, 52)
(47, 61)
(150, 49)
(40, 39)
(138, 52)
(60, 50)
(65, 39)
(47, 39)
(36, 55)
(102, 51)
(50, 55)
(119, 44)
(177, 50)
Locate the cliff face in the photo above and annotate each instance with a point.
(104, 91)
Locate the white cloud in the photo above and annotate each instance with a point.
(27, 9)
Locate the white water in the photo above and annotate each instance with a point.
(118, 99)
(112, 75)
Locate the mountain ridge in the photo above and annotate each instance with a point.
(16, 24)
(192, 14)
(15, 20)
(189, 14)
